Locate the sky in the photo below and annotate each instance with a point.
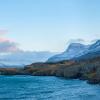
(47, 25)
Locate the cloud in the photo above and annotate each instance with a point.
(7, 46)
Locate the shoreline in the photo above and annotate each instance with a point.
(84, 70)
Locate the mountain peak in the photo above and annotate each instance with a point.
(75, 46)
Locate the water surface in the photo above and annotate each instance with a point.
(46, 88)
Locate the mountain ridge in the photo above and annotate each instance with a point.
(75, 51)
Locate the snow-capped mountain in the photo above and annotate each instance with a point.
(74, 50)
(78, 51)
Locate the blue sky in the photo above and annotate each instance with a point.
(47, 25)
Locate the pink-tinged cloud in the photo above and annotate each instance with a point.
(4, 39)
(7, 46)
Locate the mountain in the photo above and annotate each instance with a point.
(78, 51)
(74, 50)
(22, 58)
